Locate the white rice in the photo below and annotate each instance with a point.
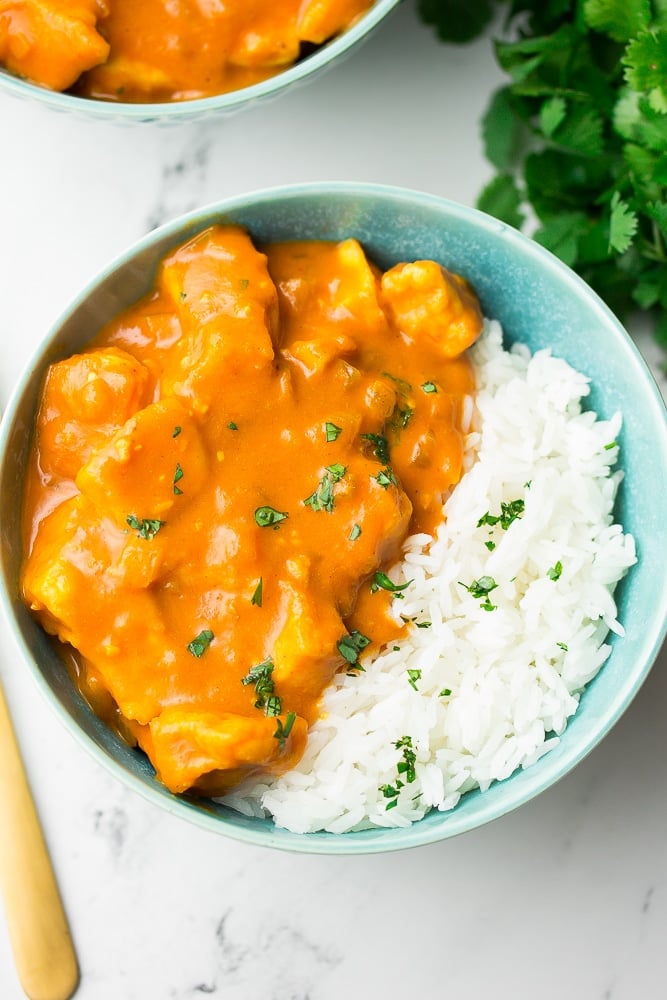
(516, 672)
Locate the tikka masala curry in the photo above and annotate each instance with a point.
(122, 50)
(220, 482)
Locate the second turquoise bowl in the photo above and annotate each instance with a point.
(220, 105)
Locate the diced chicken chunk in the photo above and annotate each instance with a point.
(426, 300)
(227, 305)
(188, 746)
(74, 545)
(312, 305)
(322, 19)
(305, 654)
(51, 42)
(86, 398)
(160, 445)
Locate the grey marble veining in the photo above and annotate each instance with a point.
(183, 177)
(565, 898)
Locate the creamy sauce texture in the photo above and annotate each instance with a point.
(121, 50)
(217, 481)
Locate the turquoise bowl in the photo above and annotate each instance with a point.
(221, 104)
(540, 302)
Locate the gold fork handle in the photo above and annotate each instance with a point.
(43, 950)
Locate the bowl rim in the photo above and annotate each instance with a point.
(551, 770)
(226, 103)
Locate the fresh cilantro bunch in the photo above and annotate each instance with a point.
(578, 136)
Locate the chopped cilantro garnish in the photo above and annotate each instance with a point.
(257, 595)
(386, 478)
(382, 581)
(200, 643)
(178, 475)
(269, 517)
(563, 646)
(554, 573)
(480, 589)
(331, 431)
(414, 675)
(406, 772)
(402, 412)
(146, 527)
(273, 705)
(323, 497)
(406, 766)
(403, 387)
(380, 446)
(260, 676)
(429, 387)
(414, 622)
(351, 645)
(283, 730)
(509, 512)
(401, 417)
(232, 426)
(356, 531)
(176, 431)
(390, 792)
(445, 693)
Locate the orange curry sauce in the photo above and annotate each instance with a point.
(124, 50)
(216, 481)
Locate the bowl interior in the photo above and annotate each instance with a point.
(539, 302)
(220, 104)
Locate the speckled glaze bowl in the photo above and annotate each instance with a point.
(209, 107)
(540, 302)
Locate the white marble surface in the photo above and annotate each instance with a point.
(566, 897)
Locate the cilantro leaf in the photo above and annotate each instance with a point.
(283, 730)
(622, 224)
(561, 233)
(260, 676)
(200, 643)
(323, 497)
(658, 212)
(146, 527)
(331, 431)
(581, 131)
(661, 331)
(456, 20)
(351, 645)
(502, 198)
(620, 19)
(645, 62)
(578, 137)
(500, 129)
(552, 114)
